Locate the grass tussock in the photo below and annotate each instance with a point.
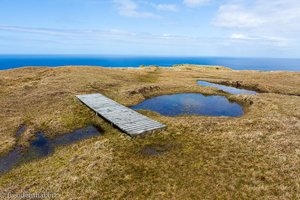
(148, 75)
(255, 156)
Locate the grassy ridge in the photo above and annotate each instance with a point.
(197, 157)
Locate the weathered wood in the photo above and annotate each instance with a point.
(126, 119)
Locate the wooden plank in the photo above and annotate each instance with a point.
(126, 119)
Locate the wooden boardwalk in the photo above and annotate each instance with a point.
(126, 119)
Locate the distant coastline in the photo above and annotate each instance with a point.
(263, 64)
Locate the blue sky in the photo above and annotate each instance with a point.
(236, 28)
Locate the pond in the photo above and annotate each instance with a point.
(42, 146)
(191, 104)
(231, 90)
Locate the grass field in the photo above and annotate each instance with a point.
(256, 156)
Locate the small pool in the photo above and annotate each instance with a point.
(191, 104)
(42, 146)
(231, 90)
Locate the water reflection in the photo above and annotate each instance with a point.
(231, 90)
(191, 104)
(42, 146)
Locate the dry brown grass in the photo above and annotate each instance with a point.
(256, 156)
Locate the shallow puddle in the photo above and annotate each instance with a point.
(152, 151)
(191, 104)
(155, 150)
(21, 130)
(231, 90)
(42, 146)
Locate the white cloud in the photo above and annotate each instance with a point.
(278, 41)
(109, 34)
(239, 36)
(238, 17)
(194, 3)
(266, 40)
(271, 22)
(160, 6)
(166, 7)
(116, 40)
(267, 14)
(47, 31)
(67, 33)
(130, 8)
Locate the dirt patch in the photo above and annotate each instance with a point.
(144, 90)
(156, 149)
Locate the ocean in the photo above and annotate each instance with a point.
(263, 64)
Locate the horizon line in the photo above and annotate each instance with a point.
(153, 56)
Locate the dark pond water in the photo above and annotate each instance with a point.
(191, 104)
(231, 90)
(42, 146)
